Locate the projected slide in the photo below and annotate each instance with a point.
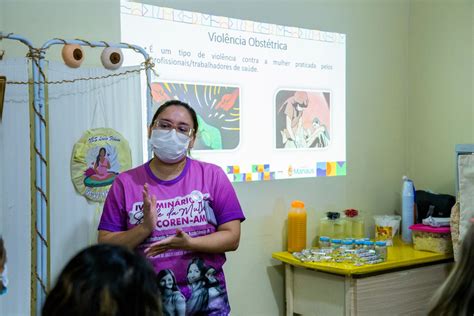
(217, 109)
(270, 99)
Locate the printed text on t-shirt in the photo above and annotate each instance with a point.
(177, 212)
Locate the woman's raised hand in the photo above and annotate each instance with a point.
(150, 215)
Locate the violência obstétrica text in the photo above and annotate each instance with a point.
(251, 41)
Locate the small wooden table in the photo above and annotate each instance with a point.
(402, 285)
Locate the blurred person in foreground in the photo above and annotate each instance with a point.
(3, 268)
(456, 296)
(105, 280)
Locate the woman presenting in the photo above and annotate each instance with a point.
(174, 208)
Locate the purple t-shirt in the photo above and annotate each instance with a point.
(197, 201)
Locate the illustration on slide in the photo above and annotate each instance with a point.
(217, 108)
(302, 119)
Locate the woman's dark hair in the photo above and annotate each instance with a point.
(456, 296)
(190, 110)
(209, 282)
(3, 253)
(201, 266)
(105, 280)
(164, 273)
(98, 155)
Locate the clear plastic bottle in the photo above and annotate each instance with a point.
(381, 249)
(296, 226)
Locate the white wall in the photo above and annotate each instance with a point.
(441, 90)
(2, 13)
(377, 61)
(42, 20)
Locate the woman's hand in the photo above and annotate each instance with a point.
(179, 241)
(226, 238)
(150, 215)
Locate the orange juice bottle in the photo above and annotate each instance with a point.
(296, 227)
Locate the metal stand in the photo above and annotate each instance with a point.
(41, 252)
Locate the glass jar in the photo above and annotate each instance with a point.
(335, 244)
(358, 227)
(369, 245)
(339, 228)
(347, 244)
(348, 227)
(359, 244)
(381, 249)
(326, 227)
(324, 242)
(354, 223)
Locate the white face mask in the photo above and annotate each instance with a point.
(169, 146)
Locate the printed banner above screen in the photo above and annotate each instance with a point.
(270, 99)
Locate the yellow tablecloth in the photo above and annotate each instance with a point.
(401, 255)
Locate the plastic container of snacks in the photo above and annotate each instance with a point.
(434, 239)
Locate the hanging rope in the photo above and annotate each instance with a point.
(145, 67)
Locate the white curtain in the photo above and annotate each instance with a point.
(15, 197)
(114, 102)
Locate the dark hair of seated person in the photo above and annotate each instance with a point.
(455, 297)
(3, 254)
(105, 280)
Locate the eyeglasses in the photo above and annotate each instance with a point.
(168, 126)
